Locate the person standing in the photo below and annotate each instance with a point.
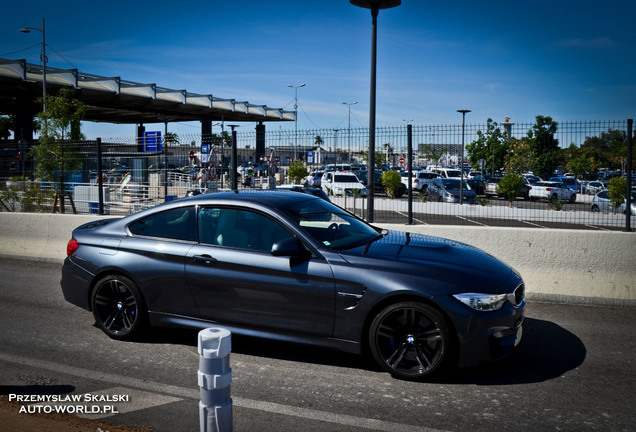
(202, 178)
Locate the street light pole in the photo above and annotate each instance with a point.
(43, 59)
(375, 6)
(296, 117)
(461, 164)
(349, 139)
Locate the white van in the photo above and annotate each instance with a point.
(447, 172)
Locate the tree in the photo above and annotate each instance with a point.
(7, 124)
(518, 160)
(617, 188)
(318, 140)
(491, 146)
(510, 186)
(297, 172)
(57, 153)
(171, 138)
(392, 182)
(430, 151)
(544, 146)
(222, 140)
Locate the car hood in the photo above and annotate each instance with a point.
(428, 256)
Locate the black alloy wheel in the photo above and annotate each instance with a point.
(410, 340)
(118, 307)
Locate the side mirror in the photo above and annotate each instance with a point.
(290, 247)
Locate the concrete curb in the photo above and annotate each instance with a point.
(568, 266)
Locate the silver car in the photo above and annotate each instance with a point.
(602, 203)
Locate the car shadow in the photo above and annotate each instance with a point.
(546, 351)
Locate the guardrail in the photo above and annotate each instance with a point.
(563, 265)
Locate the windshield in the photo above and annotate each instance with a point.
(330, 225)
(454, 184)
(344, 178)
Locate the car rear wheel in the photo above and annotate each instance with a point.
(595, 208)
(410, 340)
(118, 307)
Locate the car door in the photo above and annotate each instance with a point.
(235, 279)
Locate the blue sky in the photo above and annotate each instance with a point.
(572, 60)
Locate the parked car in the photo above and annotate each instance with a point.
(570, 182)
(447, 172)
(294, 267)
(491, 186)
(552, 191)
(478, 184)
(602, 203)
(531, 179)
(312, 190)
(420, 179)
(317, 175)
(596, 186)
(447, 190)
(340, 183)
(378, 185)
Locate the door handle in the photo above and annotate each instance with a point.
(204, 259)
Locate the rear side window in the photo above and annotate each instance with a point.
(176, 224)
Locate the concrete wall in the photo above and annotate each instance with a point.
(596, 267)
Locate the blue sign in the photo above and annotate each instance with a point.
(310, 156)
(205, 148)
(152, 141)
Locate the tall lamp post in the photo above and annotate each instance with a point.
(461, 165)
(375, 6)
(349, 138)
(296, 117)
(43, 59)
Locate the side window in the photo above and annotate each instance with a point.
(176, 224)
(238, 228)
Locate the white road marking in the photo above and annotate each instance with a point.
(158, 393)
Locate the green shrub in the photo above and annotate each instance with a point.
(392, 183)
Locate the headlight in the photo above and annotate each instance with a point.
(482, 302)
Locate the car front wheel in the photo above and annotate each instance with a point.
(410, 340)
(118, 307)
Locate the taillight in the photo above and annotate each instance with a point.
(548, 189)
(71, 247)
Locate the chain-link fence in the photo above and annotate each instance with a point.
(132, 178)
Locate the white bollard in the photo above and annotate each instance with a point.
(215, 377)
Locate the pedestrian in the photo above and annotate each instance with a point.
(203, 180)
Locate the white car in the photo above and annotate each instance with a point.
(551, 191)
(420, 179)
(339, 183)
(596, 186)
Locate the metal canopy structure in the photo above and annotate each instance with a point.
(113, 100)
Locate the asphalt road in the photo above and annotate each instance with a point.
(573, 371)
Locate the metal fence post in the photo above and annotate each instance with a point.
(628, 197)
(215, 377)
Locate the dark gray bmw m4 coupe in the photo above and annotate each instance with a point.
(294, 267)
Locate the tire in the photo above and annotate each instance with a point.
(573, 198)
(595, 208)
(118, 307)
(410, 340)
